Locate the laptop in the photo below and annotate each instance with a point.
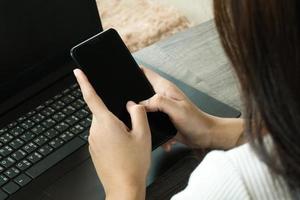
(44, 121)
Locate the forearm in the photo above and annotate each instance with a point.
(227, 133)
(133, 192)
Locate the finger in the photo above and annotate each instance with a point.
(160, 103)
(155, 79)
(139, 118)
(167, 147)
(90, 96)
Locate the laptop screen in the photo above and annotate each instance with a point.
(36, 37)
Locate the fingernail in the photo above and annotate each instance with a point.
(76, 72)
(130, 103)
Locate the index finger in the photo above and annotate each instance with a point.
(155, 79)
(90, 96)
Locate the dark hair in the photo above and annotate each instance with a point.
(262, 40)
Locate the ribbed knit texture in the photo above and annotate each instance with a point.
(235, 174)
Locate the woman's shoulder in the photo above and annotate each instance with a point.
(214, 178)
(259, 180)
(234, 174)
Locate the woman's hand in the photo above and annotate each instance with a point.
(195, 128)
(121, 156)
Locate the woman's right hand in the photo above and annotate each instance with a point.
(196, 128)
(192, 124)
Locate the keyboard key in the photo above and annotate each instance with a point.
(88, 110)
(48, 111)
(38, 129)
(76, 93)
(16, 143)
(61, 127)
(5, 138)
(77, 129)
(58, 96)
(58, 105)
(11, 187)
(66, 91)
(68, 110)
(24, 164)
(16, 131)
(45, 150)
(40, 107)
(11, 125)
(66, 136)
(37, 117)
(6, 150)
(27, 136)
(20, 119)
(7, 162)
(72, 120)
(68, 99)
(3, 179)
(18, 155)
(40, 140)
(86, 122)
(55, 157)
(79, 103)
(27, 124)
(12, 172)
(48, 123)
(34, 157)
(3, 195)
(74, 86)
(22, 180)
(58, 116)
(3, 130)
(48, 102)
(85, 135)
(51, 133)
(55, 143)
(30, 147)
(81, 114)
(1, 169)
(30, 113)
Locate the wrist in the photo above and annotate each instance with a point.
(127, 192)
(227, 133)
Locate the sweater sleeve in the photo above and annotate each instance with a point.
(214, 178)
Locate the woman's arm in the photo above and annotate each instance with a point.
(196, 128)
(121, 156)
(227, 133)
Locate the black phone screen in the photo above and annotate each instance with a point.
(117, 79)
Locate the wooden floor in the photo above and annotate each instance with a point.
(197, 11)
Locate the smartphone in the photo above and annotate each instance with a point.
(117, 79)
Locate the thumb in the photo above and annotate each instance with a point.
(139, 118)
(160, 103)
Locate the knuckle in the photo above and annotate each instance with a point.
(158, 99)
(91, 138)
(138, 108)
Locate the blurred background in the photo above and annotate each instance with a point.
(144, 22)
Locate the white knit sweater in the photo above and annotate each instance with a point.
(235, 174)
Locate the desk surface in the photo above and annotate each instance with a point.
(196, 58)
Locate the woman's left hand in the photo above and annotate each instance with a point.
(121, 156)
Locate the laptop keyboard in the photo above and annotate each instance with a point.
(44, 136)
